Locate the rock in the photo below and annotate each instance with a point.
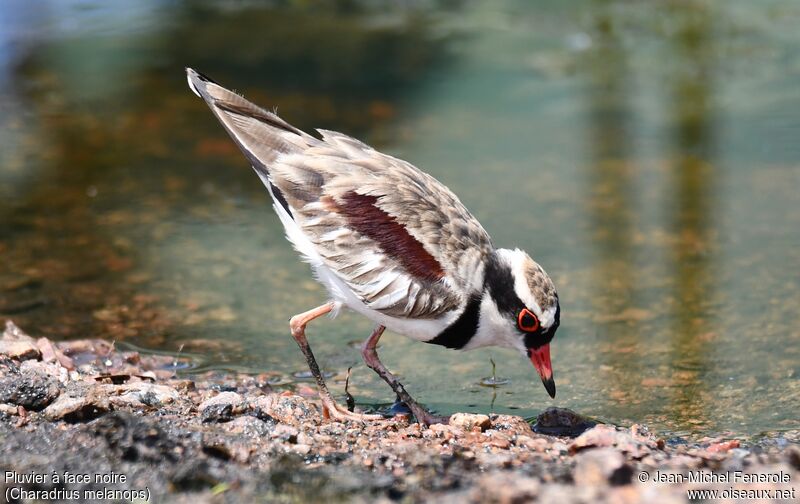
(723, 446)
(283, 408)
(601, 466)
(285, 433)
(140, 394)
(18, 345)
(19, 350)
(442, 431)
(302, 449)
(248, 425)
(50, 353)
(45, 368)
(222, 407)
(609, 436)
(469, 421)
(562, 422)
(9, 409)
(498, 440)
(31, 390)
(235, 400)
(537, 444)
(504, 487)
(512, 425)
(76, 408)
(133, 438)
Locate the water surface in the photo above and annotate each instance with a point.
(646, 154)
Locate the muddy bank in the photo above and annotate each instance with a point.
(81, 420)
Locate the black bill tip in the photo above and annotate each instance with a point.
(550, 386)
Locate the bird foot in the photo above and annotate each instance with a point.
(427, 419)
(332, 410)
(423, 416)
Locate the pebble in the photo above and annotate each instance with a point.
(600, 466)
(233, 399)
(140, 394)
(9, 409)
(562, 422)
(505, 487)
(18, 345)
(302, 449)
(77, 407)
(33, 390)
(470, 421)
(610, 436)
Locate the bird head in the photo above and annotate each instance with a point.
(521, 309)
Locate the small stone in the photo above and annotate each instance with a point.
(45, 368)
(723, 446)
(504, 487)
(442, 431)
(50, 353)
(19, 350)
(18, 345)
(31, 390)
(286, 408)
(537, 444)
(222, 407)
(8, 409)
(304, 438)
(561, 422)
(302, 449)
(600, 466)
(512, 425)
(285, 433)
(609, 436)
(83, 407)
(139, 394)
(468, 421)
(499, 441)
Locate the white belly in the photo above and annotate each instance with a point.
(418, 329)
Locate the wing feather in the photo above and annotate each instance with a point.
(399, 239)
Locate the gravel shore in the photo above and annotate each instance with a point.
(81, 420)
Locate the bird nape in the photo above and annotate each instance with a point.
(391, 243)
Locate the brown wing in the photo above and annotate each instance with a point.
(401, 240)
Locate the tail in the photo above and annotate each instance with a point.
(262, 136)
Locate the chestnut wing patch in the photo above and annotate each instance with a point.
(364, 215)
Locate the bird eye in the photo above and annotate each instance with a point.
(527, 321)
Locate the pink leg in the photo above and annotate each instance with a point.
(298, 326)
(370, 353)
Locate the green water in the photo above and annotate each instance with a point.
(647, 154)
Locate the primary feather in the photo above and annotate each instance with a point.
(397, 239)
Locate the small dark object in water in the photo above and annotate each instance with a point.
(561, 422)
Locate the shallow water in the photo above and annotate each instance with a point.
(645, 154)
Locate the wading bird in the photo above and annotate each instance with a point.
(391, 243)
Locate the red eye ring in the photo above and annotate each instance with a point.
(527, 321)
